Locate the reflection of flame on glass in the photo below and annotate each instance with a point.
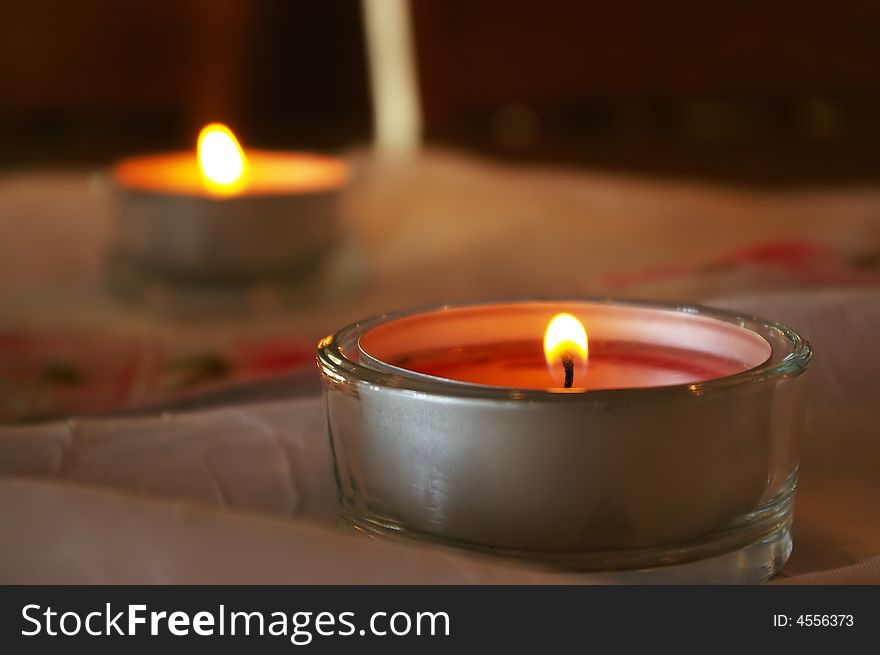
(221, 160)
(565, 347)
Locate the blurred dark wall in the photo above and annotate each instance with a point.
(93, 79)
(781, 91)
(778, 91)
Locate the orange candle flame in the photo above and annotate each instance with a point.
(222, 162)
(565, 347)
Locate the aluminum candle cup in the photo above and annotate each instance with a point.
(285, 220)
(675, 446)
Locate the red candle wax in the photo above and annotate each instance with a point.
(611, 365)
(271, 173)
(503, 345)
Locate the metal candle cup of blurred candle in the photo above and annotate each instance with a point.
(673, 446)
(227, 215)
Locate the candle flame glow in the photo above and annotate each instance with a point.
(222, 161)
(565, 338)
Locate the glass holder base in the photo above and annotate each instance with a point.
(750, 553)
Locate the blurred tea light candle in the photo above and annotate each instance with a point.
(223, 213)
(594, 434)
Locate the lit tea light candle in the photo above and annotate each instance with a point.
(222, 212)
(598, 435)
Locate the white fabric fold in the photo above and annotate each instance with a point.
(71, 534)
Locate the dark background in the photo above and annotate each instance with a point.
(778, 92)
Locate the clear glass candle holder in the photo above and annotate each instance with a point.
(685, 482)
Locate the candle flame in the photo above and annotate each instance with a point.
(565, 338)
(222, 162)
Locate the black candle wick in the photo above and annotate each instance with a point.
(568, 367)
